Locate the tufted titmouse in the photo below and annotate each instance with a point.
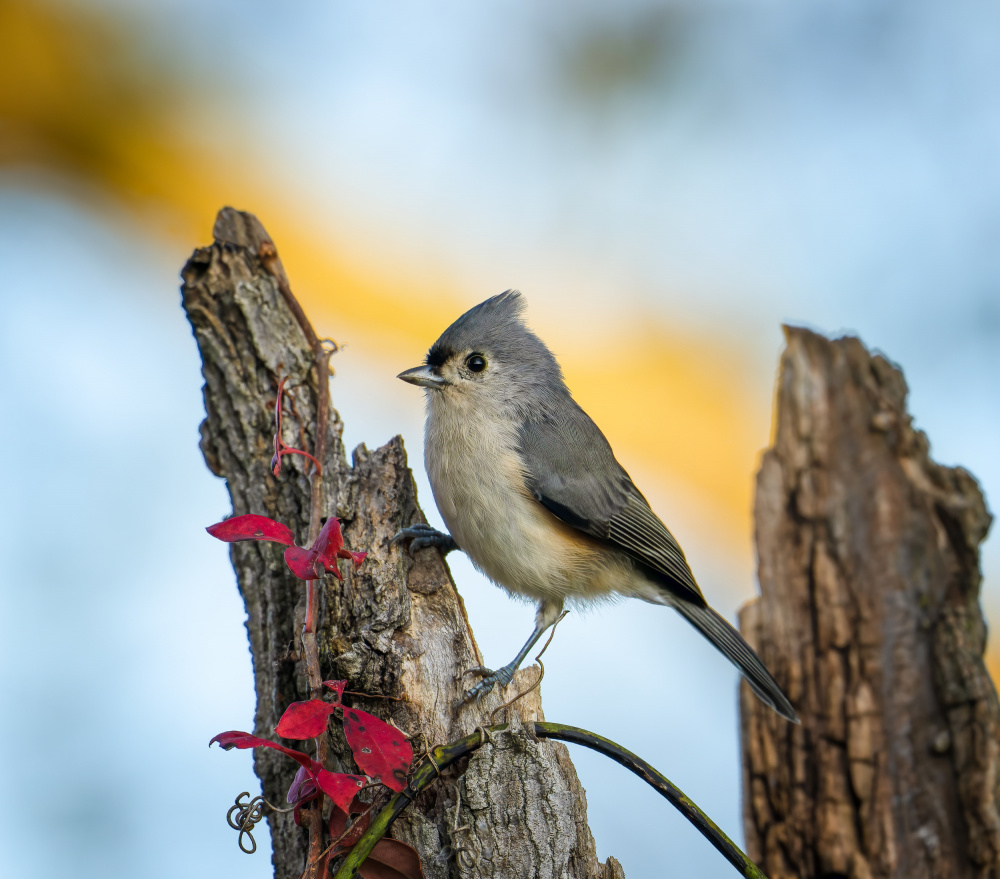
(532, 493)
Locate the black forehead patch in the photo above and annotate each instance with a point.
(439, 355)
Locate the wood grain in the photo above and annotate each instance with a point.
(869, 617)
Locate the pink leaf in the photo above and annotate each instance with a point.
(251, 527)
(380, 750)
(304, 720)
(338, 687)
(304, 563)
(340, 787)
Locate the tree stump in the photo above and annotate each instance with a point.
(396, 627)
(869, 617)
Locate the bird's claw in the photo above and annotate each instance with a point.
(502, 676)
(421, 536)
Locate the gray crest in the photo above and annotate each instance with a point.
(495, 328)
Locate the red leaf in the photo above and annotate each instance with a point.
(305, 563)
(330, 546)
(236, 739)
(251, 527)
(338, 824)
(380, 750)
(304, 720)
(330, 540)
(338, 687)
(297, 811)
(392, 859)
(356, 557)
(331, 566)
(340, 787)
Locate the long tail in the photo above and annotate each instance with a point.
(736, 650)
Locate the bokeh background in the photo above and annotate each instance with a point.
(666, 182)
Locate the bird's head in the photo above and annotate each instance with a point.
(488, 357)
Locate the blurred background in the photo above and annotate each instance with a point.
(666, 182)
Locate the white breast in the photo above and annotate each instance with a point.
(479, 486)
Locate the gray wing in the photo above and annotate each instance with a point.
(572, 471)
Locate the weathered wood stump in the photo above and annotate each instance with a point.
(869, 617)
(395, 627)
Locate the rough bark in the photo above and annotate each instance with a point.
(869, 616)
(395, 627)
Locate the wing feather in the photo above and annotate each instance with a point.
(572, 471)
(639, 531)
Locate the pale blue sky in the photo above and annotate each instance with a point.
(740, 164)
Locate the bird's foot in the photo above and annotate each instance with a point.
(420, 536)
(502, 676)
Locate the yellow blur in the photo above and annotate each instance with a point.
(100, 123)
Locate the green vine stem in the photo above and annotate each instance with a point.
(445, 755)
(659, 782)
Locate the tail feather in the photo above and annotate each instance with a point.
(731, 644)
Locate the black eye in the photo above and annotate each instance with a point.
(476, 362)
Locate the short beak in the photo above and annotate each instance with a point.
(424, 376)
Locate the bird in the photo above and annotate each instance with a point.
(531, 491)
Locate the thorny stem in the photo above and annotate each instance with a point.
(322, 356)
(347, 832)
(268, 255)
(289, 450)
(280, 446)
(445, 755)
(315, 838)
(379, 696)
(269, 258)
(310, 623)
